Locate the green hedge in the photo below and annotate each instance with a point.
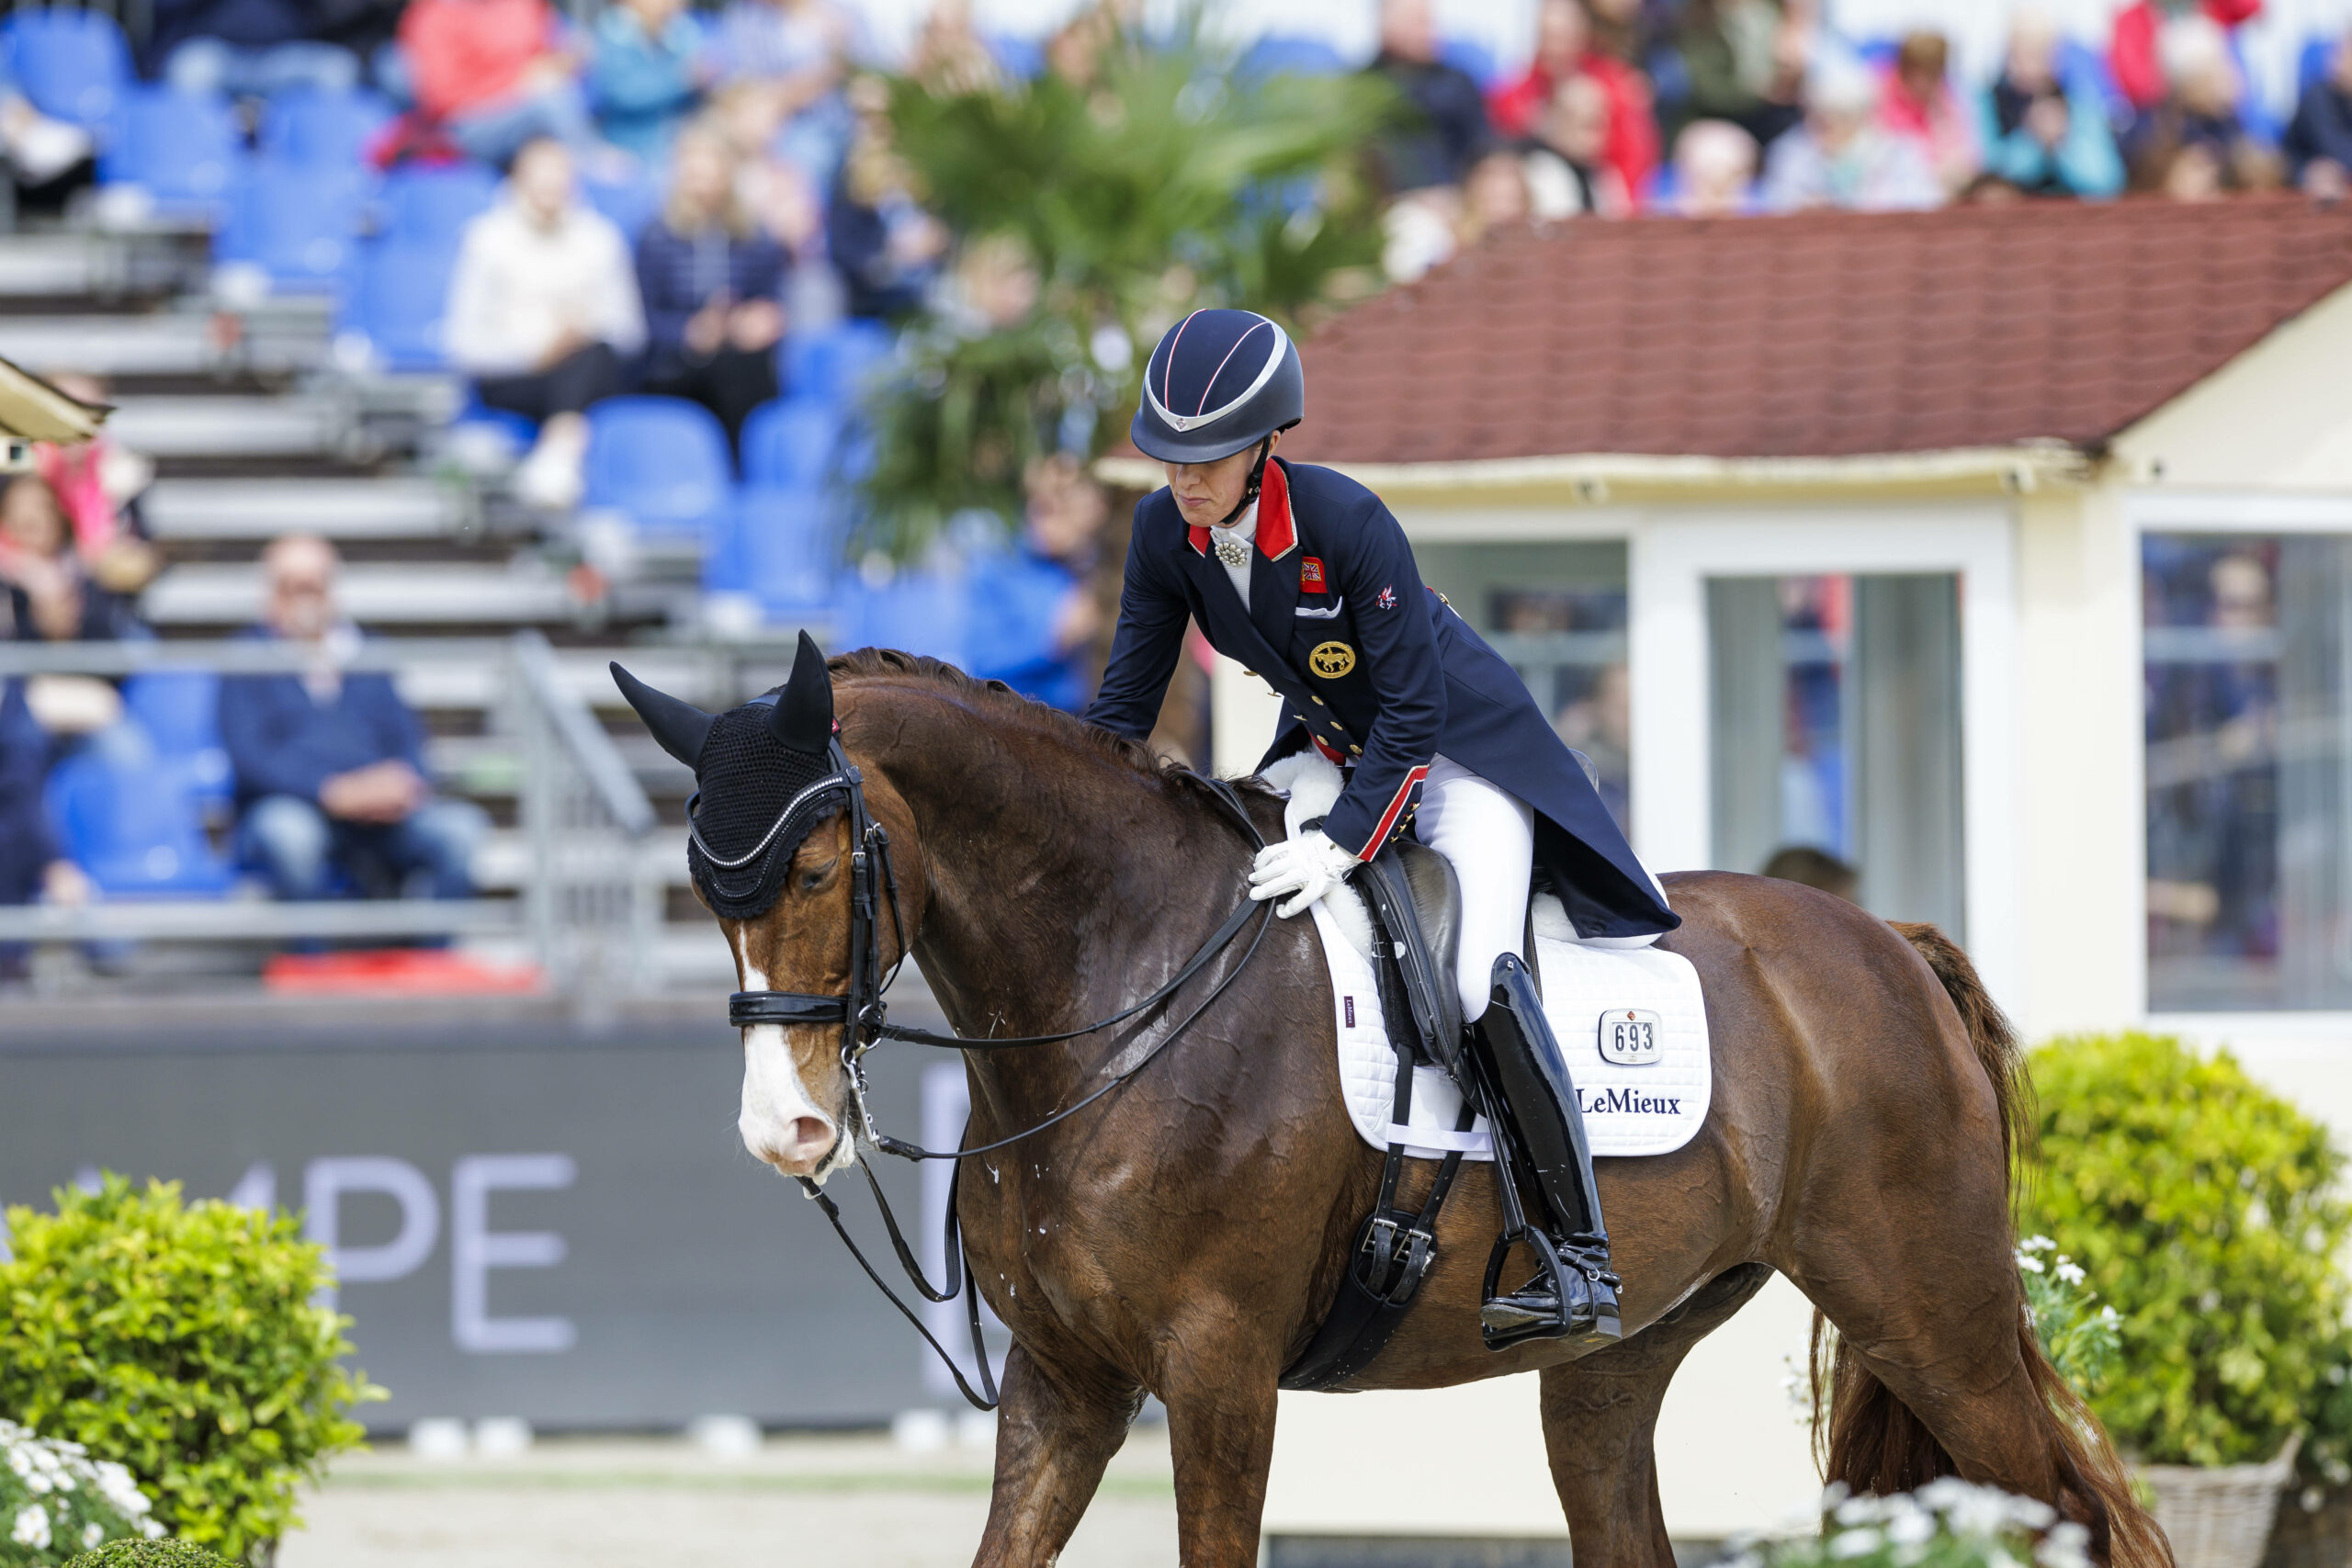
(181, 1341)
(2203, 1208)
(148, 1554)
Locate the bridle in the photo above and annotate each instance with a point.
(861, 1012)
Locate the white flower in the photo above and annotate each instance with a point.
(150, 1528)
(2106, 1315)
(39, 1485)
(2029, 1262)
(1911, 1528)
(32, 1528)
(2067, 1546)
(1854, 1543)
(2037, 1244)
(93, 1535)
(21, 1462)
(116, 1485)
(2070, 1271)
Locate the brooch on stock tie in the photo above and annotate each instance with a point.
(1233, 552)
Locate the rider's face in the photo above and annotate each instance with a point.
(1208, 491)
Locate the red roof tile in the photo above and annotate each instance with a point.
(1816, 336)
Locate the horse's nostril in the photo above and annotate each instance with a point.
(809, 1136)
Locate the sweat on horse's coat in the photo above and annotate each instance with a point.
(1194, 1223)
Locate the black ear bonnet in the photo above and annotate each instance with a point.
(769, 774)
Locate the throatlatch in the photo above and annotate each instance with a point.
(1531, 1104)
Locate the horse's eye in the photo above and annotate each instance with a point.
(813, 879)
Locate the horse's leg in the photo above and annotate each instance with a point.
(1218, 1382)
(1601, 1418)
(1052, 1437)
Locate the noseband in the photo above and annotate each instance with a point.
(862, 1014)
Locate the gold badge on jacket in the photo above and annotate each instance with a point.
(1332, 659)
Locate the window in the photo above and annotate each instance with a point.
(1836, 749)
(1556, 613)
(2245, 651)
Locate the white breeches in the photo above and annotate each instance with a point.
(1488, 835)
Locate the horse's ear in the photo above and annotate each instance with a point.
(681, 727)
(804, 710)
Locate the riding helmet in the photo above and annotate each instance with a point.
(1220, 381)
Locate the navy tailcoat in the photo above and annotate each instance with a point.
(1375, 670)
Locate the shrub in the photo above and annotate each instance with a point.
(56, 1501)
(2201, 1207)
(1946, 1524)
(181, 1341)
(148, 1554)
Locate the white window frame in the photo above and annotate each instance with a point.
(1671, 556)
(2212, 513)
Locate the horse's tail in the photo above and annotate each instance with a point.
(1868, 1440)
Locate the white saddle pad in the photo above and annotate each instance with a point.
(1631, 1023)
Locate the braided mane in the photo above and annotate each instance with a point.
(997, 698)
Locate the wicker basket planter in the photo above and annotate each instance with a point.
(2219, 1517)
(2314, 1529)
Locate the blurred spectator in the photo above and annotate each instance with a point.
(1745, 60)
(329, 764)
(496, 74)
(792, 53)
(2038, 137)
(713, 285)
(31, 869)
(2136, 50)
(247, 49)
(2195, 144)
(1074, 53)
(1600, 725)
(1495, 197)
(949, 54)
(2319, 140)
(1917, 102)
(1841, 157)
(98, 484)
(1563, 51)
(648, 69)
(1814, 868)
(47, 159)
(1714, 170)
(543, 307)
(886, 247)
(1448, 130)
(52, 597)
(1566, 168)
(1034, 617)
(994, 288)
(780, 197)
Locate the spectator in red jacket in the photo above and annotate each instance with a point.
(496, 75)
(1917, 102)
(2133, 50)
(1563, 48)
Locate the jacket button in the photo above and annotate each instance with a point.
(1317, 701)
(1355, 750)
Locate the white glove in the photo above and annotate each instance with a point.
(1309, 865)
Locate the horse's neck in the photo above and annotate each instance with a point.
(1062, 884)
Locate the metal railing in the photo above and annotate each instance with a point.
(591, 904)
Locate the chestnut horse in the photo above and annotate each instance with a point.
(1184, 1237)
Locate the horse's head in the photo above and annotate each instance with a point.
(770, 852)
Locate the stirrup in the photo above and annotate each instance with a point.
(1572, 1297)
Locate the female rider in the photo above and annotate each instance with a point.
(1302, 575)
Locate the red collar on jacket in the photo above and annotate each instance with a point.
(1277, 535)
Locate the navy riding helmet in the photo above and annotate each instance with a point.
(1220, 381)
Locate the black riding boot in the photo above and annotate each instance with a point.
(1542, 1141)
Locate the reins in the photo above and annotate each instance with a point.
(861, 1011)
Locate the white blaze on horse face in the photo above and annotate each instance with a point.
(779, 1122)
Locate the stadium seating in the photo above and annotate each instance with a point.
(178, 709)
(300, 225)
(73, 64)
(791, 443)
(180, 148)
(320, 129)
(829, 364)
(1023, 59)
(1471, 56)
(663, 462)
(631, 204)
(435, 201)
(917, 611)
(112, 817)
(1276, 53)
(400, 294)
(780, 546)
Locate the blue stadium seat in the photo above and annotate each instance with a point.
(791, 443)
(300, 225)
(831, 364)
(781, 545)
(435, 201)
(2311, 63)
(661, 461)
(2082, 68)
(179, 711)
(73, 64)
(400, 294)
(917, 612)
(305, 125)
(1023, 59)
(631, 204)
(1276, 54)
(180, 148)
(1471, 56)
(122, 820)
